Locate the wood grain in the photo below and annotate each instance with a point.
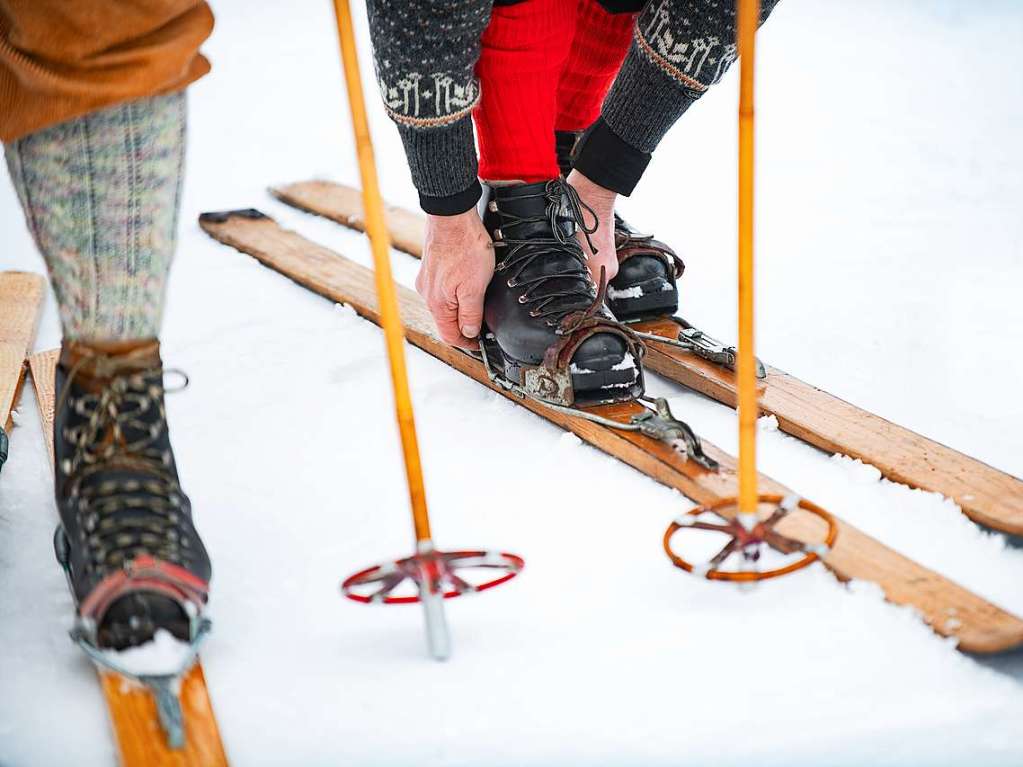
(988, 496)
(948, 608)
(43, 366)
(21, 303)
(343, 204)
(132, 710)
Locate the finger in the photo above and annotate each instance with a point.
(470, 313)
(445, 316)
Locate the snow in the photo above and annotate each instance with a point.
(164, 654)
(633, 292)
(627, 363)
(889, 257)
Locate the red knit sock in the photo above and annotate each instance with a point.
(598, 49)
(524, 50)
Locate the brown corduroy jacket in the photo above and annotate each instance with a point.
(63, 58)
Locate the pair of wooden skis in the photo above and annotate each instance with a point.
(976, 624)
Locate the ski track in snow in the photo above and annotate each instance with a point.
(889, 254)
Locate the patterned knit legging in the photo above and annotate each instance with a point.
(100, 195)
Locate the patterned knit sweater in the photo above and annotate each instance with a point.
(425, 52)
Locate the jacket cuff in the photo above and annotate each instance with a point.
(452, 204)
(607, 159)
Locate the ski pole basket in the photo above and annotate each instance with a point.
(748, 537)
(447, 573)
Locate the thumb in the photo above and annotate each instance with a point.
(470, 314)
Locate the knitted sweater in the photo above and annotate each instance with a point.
(425, 52)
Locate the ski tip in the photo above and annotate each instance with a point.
(223, 216)
(280, 192)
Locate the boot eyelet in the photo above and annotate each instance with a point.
(534, 313)
(492, 206)
(523, 299)
(512, 284)
(498, 234)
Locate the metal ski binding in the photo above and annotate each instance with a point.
(748, 534)
(660, 424)
(694, 340)
(165, 687)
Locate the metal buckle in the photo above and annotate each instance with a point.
(662, 425)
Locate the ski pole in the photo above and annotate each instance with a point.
(394, 333)
(749, 533)
(430, 570)
(380, 241)
(748, 15)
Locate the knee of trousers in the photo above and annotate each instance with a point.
(60, 60)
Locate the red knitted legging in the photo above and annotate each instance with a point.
(545, 65)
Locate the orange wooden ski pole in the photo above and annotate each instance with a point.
(748, 16)
(376, 228)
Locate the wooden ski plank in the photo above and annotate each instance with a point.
(43, 366)
(343, 204)
(132, 710)
(21, 304)
(948, 608)
(987, 495)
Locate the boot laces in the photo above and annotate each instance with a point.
(124, 517)
(548, 298)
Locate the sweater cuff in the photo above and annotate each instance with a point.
(442, 161)
(607, 159)
(452, 204)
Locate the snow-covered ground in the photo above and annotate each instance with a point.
(890, 259)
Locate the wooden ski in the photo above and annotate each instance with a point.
(988, 496)
(21, 304)
(141, 741)
(949, 609)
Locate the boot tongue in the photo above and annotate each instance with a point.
(96, 362)
(93, 367)
(529, 201)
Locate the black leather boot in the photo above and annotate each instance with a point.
(132, 555)
(645, 286)
(546, 326)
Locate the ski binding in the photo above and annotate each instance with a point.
(661, 424)
(704, 346)
(657, 423)
(166, 687)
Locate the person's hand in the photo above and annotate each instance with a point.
(602, 201)
(458, 262)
